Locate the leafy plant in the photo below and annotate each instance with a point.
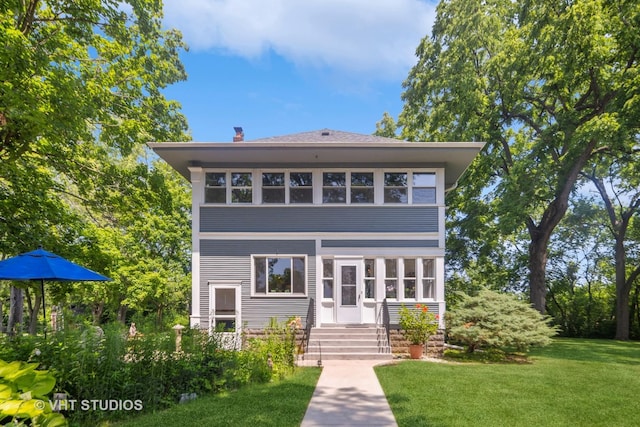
(23, 395)
(417, 323)
(500, 321)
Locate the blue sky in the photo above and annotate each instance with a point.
(276, 67)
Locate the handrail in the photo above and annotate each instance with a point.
(386, 319)
(309, 323)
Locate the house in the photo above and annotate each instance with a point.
(326, 223)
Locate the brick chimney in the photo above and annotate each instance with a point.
(239, 137)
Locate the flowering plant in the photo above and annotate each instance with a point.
(418, 323)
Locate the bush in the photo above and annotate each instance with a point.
(418, 323)
(277, 347)
(492, 320)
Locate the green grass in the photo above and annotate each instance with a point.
(570, 383)
(280, 403)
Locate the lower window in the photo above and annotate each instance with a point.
(225, 308)
(277, 275)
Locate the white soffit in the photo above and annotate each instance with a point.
(455, 157)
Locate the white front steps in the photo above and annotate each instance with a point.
(356, 342)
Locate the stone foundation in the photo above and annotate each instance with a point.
(400, 346)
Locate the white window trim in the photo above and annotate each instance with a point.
(225, 284)
(268, 294)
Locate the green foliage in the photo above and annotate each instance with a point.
(492, 320)
(80, 93)
(542, 83)
(92, 70)
(92, 363)
(278, 345)
(24, 395)
(417, 323)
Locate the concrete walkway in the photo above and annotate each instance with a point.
(348, 393)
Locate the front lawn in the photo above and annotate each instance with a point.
(571, 382)
(279, 403)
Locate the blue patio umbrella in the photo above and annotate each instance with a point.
(42, 265)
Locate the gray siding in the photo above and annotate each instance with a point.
(379, 243)
(370, 219)
(394, 309)
(231, 260)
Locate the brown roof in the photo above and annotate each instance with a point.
(326, 135)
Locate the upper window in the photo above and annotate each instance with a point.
(395, 187)
(273, 187)
(362, 190)
(215, 188)
(277, 275)
(424, 187)
(218, 190)
(300, 187)
(281, 187)
(334, 187)
(354, 187)
(241, 187)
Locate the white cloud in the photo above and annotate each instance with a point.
(375, 37)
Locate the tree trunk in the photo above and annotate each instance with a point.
(14, 324)
(635, 314)
(537, 273)
(541, 234)
(97, 310)
(33, 318)
(122, 313)
(1, 316)
(159, 314)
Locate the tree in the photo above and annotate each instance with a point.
(548, 84)
(618, 183)
(493, 320)
(83, 70)
(581, 296)
(80, 83)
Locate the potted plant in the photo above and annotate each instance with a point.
(417, 325)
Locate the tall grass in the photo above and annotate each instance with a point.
(572, 382)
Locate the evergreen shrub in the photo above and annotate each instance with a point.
(491, 320)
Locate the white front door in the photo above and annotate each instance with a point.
(349, 291)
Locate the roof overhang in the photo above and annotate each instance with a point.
(454, 157)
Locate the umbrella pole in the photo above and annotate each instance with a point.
(44, 310)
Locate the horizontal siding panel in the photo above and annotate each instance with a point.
(371, 219)
(231, 260)
(379, 243)
(394, 310)
(224, 247)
